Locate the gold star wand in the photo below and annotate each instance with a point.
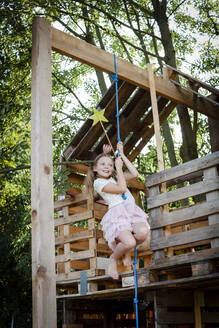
(98, 116)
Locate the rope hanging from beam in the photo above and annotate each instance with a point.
(115, 79)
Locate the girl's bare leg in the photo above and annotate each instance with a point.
(127, 260)
(112, 268)
(126, 243)
(141, 231)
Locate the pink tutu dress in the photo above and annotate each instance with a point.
(122, 214)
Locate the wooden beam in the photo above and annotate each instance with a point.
(74, 256)
(160, 158)
(126, 292)
(182, 259)
(184, 238)
(74, 218)
(84, 52)
(76, 275)
(192, 79)
(133, 111)
(87, 140)
(212, 173)
(59, 204)
(185, 215)
(156, 120)
(67, 246)
(43, 240)
(192, 190)
(81, 235)
(149, 132)
(183, 169)
(197, 310)
(88, 123)
(157, 233)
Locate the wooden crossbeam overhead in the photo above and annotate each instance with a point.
(84, 52)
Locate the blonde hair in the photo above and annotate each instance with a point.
(91, 176)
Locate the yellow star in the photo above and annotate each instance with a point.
(98, 116)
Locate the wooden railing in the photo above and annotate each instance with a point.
(191, 232)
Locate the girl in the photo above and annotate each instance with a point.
(125, 224)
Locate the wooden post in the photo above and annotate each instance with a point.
(158, 139)
(197, 311)
(155, 118)
(43, 240)
(92, 241)
(157, 307)
(167, 74)
(212, 173)
(156, 233)
(67, 246)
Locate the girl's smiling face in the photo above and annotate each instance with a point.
(104, 167)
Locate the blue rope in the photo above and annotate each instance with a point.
(115, 79)
(136, 288)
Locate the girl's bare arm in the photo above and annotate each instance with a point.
(120, 186)
(132, 172)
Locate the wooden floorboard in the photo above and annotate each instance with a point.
(182, 282)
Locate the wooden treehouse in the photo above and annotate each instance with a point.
(178, 272)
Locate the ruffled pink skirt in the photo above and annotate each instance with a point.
(119, 218)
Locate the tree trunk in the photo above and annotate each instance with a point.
(169, 144)
(189, 146)
(214, 130)
(214, 134)
(188, 150)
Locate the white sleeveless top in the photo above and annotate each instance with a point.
(111, 199)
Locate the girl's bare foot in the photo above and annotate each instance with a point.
(112, 268)
(127, 261)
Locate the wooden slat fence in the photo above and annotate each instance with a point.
(193, 227)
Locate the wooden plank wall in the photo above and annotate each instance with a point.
(193, 226)
(186, 308)
(84, 248)
(76, 245)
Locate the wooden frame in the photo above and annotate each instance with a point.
(45, 39)
(84, 52)
(209, 231)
